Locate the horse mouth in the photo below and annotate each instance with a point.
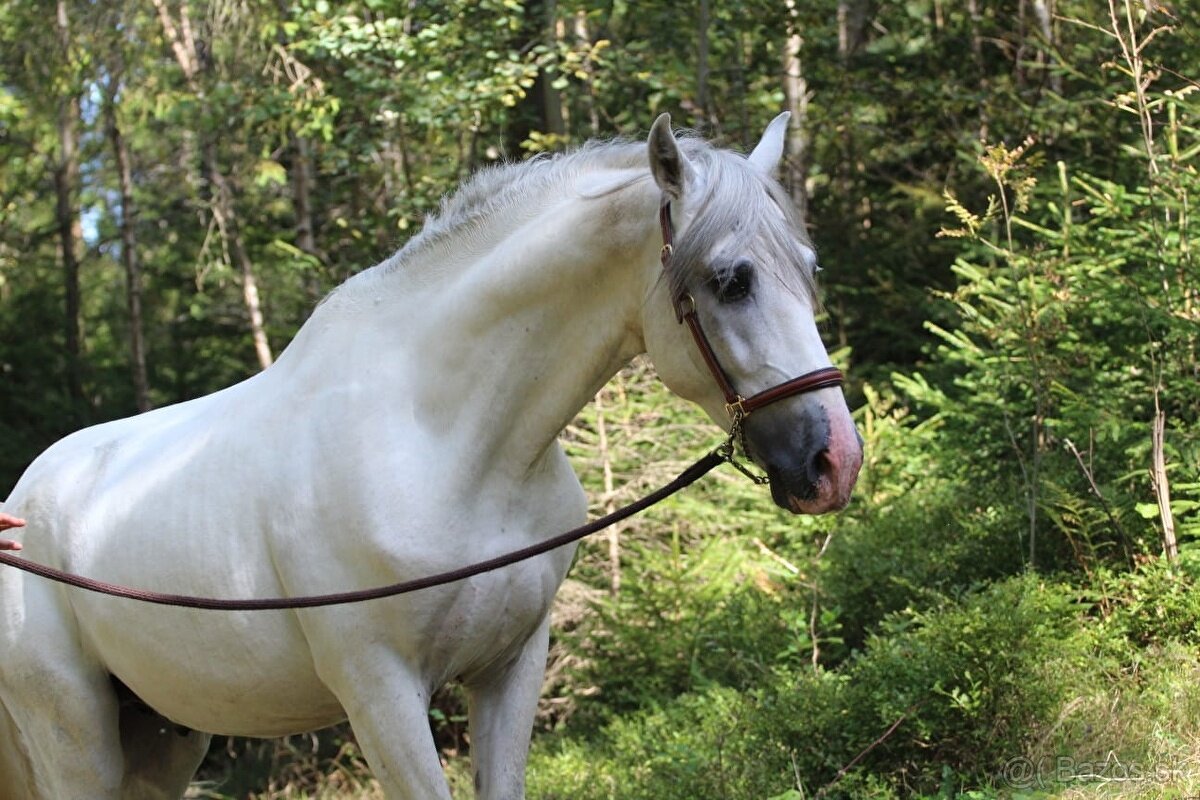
(800, 494)
(825, 505)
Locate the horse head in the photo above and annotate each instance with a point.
(739, 262)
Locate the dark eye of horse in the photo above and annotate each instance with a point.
(735, 284)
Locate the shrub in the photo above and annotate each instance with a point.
(942, 697)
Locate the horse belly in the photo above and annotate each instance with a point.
(218, 672)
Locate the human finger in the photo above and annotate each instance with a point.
(8, 521)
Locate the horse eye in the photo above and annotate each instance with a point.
(734, 285)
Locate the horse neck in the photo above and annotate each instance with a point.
(493, 347)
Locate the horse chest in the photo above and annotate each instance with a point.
(482, 621)
(485, 620)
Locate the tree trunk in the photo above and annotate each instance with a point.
(977, 53)
(1044, 11)
(583, 38)
(227, 222)
(703, 112)
(70, 229)
(1162, 487)
(795, 92)
(129, 257)
(851, 21)
(302, 195)
(610, 504)
(306, 237)
(224, 207)
(550, 99)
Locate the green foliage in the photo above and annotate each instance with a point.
(720, 614)
(1150, 607)
(924, 546)
(960, 686)
(1007, 374)
(1074, 325)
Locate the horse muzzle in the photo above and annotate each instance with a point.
(812, 462)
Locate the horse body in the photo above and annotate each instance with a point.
(410, 427)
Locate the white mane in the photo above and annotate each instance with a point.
(734, 199)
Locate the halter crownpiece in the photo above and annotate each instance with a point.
(737, 406)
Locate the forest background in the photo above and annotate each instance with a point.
(1002, 193)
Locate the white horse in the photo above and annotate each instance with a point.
(410, 427)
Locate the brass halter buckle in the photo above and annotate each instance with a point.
(737, 435)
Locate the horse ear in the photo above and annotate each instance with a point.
(668, 164)
(770, 149)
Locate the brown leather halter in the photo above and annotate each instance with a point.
(737, 406)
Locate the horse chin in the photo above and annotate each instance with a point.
(801, 498)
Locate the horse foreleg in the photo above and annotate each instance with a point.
(502, 706)
(64, 742)
(388, 708)
(17, 783)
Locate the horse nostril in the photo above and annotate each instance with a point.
(818, 471)
(822, 465)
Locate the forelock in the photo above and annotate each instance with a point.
(747, 214)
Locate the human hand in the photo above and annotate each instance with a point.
(7, 521)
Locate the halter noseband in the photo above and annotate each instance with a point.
(737, 406)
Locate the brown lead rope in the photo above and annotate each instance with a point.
(685, 479)
(738, 407)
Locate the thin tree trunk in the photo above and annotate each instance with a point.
(740, 65)
(610, 504)
(227, 222)
(551, 103)
(702, 100)
(129, 257)
(851, 20)
(302, 187)
(1019, 59)
(70, 229)
(583, 38)
(1044, 11)
(1162, 487)
(795, 92)
(977, 53)
(302, 195)
(224, 208)
(843, 14)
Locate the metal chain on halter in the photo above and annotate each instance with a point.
(728, 450)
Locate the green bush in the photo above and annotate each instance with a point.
(912, 553)
(717, 614)
(941, 697)
(972, 680)
(1148, 607)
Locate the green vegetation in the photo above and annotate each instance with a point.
(1004, 198)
